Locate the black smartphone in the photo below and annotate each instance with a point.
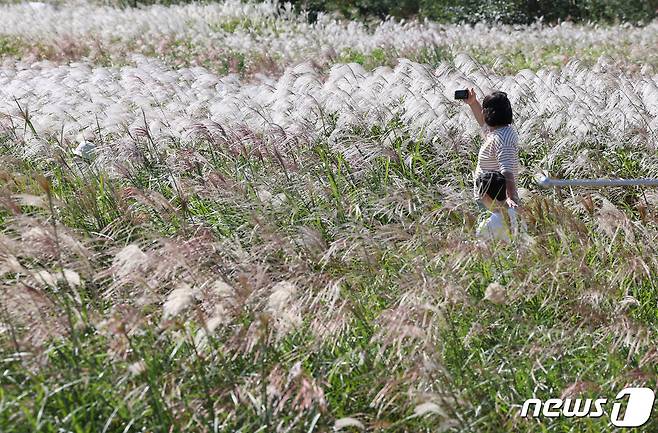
(461, 94)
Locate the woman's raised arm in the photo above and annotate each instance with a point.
(476, 108)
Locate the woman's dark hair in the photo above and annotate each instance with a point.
(492, 183)
(497, 109)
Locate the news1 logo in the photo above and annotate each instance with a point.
(637, 413)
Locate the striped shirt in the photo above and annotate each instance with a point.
(499, 152)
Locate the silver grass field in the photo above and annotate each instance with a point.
(222, 218)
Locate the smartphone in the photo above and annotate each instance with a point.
(461, 94)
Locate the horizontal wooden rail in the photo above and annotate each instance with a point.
(547, 182)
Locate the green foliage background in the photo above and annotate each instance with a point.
(469, 11)
(508, 11)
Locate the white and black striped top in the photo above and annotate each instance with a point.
(499, 152)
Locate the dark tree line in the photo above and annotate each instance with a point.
(507, 11)
(469, 11)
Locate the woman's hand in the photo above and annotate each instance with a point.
(511, 203)
(472, 98)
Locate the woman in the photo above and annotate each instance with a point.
(499, 152)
